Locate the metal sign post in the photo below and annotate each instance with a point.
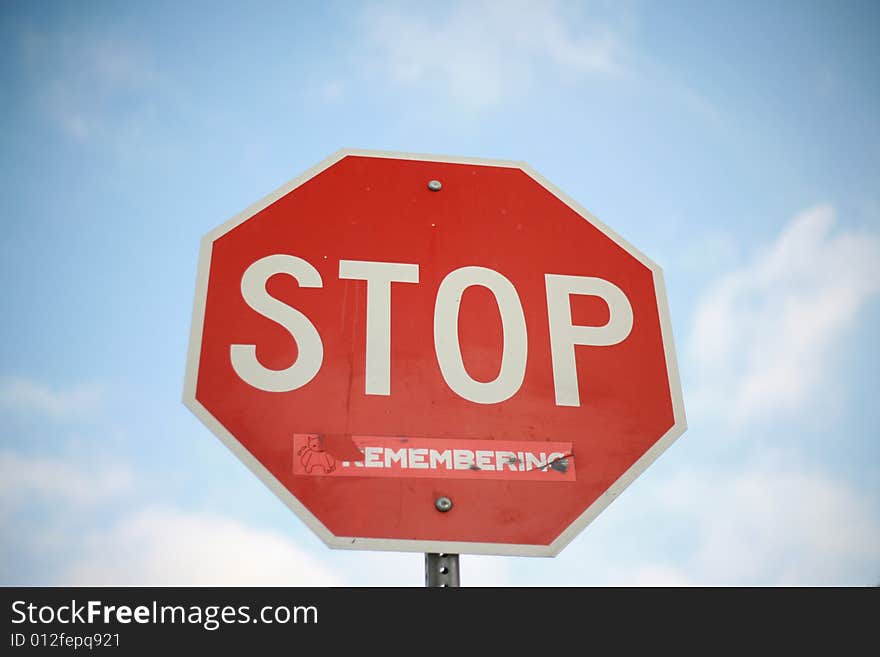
(441, 569)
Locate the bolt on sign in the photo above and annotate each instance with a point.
(433, 354)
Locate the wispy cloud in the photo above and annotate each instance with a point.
(92, 86)
(772, 521)
(83, 537)
(86, 542)
(56, 481)
(763, 333)
(775, 526)
(654, 575)
(167, 546)
(158, 546)
(482, 52)
(331, 91)
(26, 395)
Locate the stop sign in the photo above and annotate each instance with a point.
(433, 354)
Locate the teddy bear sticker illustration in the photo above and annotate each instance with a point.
(312, 456)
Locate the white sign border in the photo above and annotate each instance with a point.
(396, 545)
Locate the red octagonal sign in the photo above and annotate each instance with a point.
(433, 354)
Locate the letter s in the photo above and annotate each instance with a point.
(308, 341)
(21, 614)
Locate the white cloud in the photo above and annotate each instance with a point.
(763, 334)
(30, 396)
(654, 575)
(774, 522)
(80, 541)
(168, 547)
(149, 546)
(58, 481)
(775, 526)
(481, 52)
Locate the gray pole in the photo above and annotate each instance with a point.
(441, 569)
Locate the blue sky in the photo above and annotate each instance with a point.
(737, 144)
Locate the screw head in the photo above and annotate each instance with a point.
(443, 504)
(435, 185)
